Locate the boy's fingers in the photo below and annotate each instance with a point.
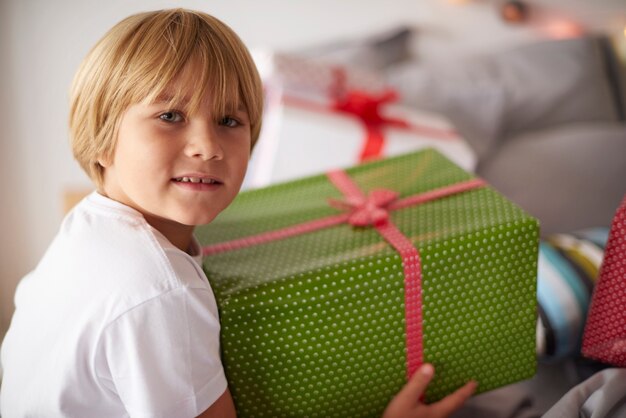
(452, 402)
(408, 399)
(418, 383)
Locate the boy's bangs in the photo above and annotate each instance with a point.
(199, 79)
(188, 54)
(202, 79)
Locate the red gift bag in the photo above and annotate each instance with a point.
(605, 331)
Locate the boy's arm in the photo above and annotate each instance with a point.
(161, 359)
(223, 407)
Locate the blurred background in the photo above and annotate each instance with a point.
(43, 42)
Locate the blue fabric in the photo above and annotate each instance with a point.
(564, 290)
(568, 274)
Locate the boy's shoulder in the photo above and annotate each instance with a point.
(100, 229)
(105, 240)
(96, 210)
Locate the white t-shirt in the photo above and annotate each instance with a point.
(114, 321)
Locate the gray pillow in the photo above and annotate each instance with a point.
(468, 96)
(534, 86)
(556, 82)
(616, 71)
(570, 177)
(374, 52)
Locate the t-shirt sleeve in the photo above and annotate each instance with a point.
(162, 358)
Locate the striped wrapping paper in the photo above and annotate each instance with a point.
(567, 271)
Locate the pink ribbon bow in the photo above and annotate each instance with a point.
(367, 211)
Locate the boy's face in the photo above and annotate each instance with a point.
(178, 170)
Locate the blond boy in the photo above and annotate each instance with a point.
(118, 318)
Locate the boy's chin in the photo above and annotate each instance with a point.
(197, 220)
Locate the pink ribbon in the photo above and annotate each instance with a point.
(371, 210)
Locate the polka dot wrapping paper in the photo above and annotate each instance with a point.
(314, 325)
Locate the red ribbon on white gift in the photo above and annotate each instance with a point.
(371, 211)
(366, 107)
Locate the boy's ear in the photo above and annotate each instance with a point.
(103, 162)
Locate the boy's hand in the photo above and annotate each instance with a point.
(406, 404)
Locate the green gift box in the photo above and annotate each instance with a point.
(324, 315)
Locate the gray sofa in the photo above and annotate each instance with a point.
(547, 121)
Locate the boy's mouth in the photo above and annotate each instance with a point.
(196, 180)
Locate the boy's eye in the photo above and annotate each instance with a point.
(171, 117)
(229, 122)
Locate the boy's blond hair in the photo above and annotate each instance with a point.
(138, 58)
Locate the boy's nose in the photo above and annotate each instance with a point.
(203, 143)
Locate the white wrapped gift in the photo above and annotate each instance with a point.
(333, 120)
